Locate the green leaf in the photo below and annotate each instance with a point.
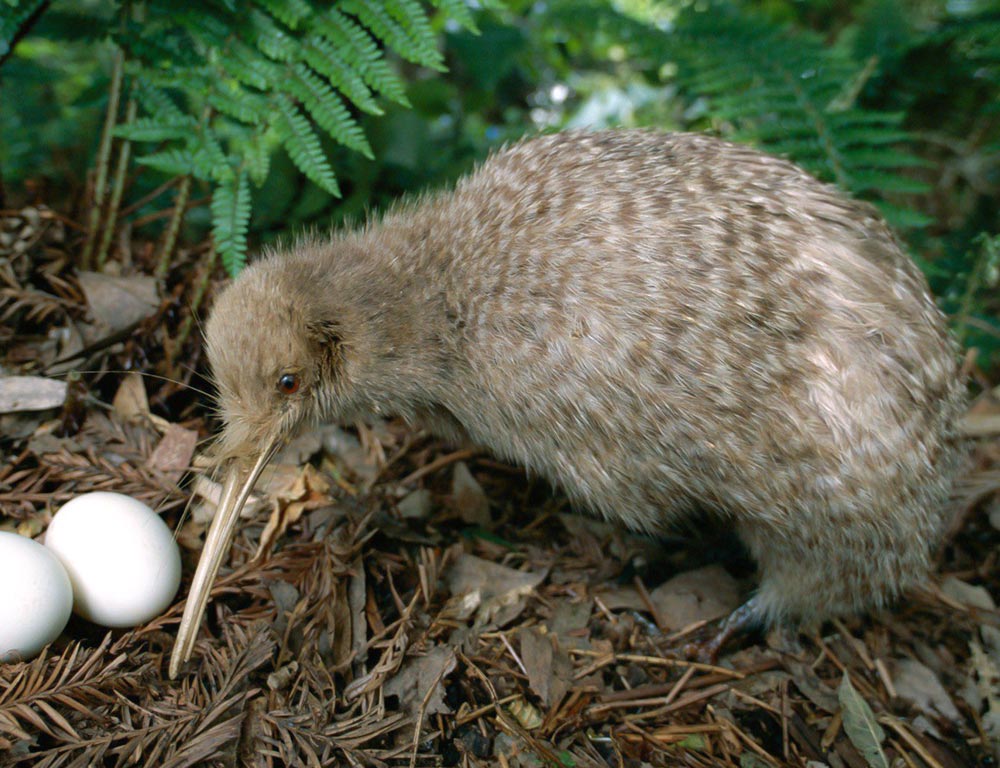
(773, 88)
(357, 45)
(459, 11)
(240, 104)
(324, 57)
(304, 147)
(860, 725)
(291, 12)
(231, 221)
(273, 39)
(11, 21)
(402, 25)
(173, 162)
(257, 151)
(327, 109)
(152, 129)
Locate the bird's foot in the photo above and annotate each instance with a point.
(740, 622)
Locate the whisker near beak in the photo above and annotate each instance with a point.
(236, 491)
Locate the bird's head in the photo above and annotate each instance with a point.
(277, 355)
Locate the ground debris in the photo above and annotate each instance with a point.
(393, 601)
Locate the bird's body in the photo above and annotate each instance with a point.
(654, 323)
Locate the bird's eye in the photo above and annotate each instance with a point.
(288, 384)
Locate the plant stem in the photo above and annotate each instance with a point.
(117, 188)
(169, 239)
(200, 289)
(103, 159)
(23, 29)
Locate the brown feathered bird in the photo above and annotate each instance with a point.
(654, 322)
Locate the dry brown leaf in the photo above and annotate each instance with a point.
(468, 498)
(30, 393)
(118, 303)
(967, 594)
(918, 685)
(549, 668)
(501, 591)
(130, 401)
(172, 455)
(307, 490)
(415, 505)
(420, 679)
(699, 595)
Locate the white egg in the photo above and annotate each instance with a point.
(35, 597)
(121, 558)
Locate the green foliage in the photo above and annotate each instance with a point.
(897, 102)
(225, 84)
(792, 95)
(15, 15)
(221, 86)
(231, 217)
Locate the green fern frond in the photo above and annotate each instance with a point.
(173, 162)
(291, 12)
(221, 86)
(12, 18)
(250, 68)
(240, 104)
(157, 101)
(357, 45)
(210, 160)
(459, 11)
(402, 24)
(328, 110)
(323, 56)
(156, 129)
(256, 152)
(272, 38)
(208, 29)
(303, 146)
(231, 221)
(786, 94)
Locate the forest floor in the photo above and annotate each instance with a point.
(393, 601)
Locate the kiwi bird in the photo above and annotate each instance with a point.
(654, 322)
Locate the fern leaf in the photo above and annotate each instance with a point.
(357, 45)
(152, 129)
(323, 57)
(304, 147)
(240, 104)
(391, 21)
(328, 110)
(231, 221)
(209, 159)
(256, 151)
(12, 19)
(156, 101)
(886, 182)
(786, 94)
(459, 11)
(211, 29)
(292, 13)
(903, 218)
(174, 162)
(271, 38)
(248, 66)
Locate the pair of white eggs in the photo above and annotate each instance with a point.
(107, 556)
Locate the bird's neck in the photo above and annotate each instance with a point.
(397, 348)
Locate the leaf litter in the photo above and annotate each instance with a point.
(393, 601)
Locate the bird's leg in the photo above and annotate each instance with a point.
(741, 621)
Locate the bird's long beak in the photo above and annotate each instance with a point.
(239, 483)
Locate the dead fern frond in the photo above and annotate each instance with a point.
(43, 698)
